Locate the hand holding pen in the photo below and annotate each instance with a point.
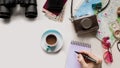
(94, 62)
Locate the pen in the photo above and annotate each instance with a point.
(86, 57)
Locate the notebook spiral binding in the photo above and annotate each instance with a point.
(81, 44)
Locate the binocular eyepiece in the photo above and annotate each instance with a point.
(6, 7)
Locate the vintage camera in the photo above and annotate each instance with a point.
(85, 24)
(6, 7)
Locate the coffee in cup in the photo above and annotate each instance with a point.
(51, 40)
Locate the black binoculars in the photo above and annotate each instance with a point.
(6, 7)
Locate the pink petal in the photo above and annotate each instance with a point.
(106, 38)
(106, 44)
(108, 57)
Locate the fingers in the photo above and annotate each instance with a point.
(92, 56)
(81, 60)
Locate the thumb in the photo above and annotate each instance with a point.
(81, 60)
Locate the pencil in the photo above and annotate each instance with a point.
(86, 57)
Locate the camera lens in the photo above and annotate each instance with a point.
(86, 23)
(4, 12)
(31, 11)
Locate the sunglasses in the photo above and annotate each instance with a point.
(107, 46)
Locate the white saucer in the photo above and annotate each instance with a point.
(59, 37)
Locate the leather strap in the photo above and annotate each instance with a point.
(104, 7)
(98, 10)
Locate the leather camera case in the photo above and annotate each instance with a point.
(86, 24)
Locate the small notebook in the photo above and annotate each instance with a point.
(72, 61)
(46, 6)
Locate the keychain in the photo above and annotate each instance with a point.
(115, 27)
(117, 36)
(117, 33)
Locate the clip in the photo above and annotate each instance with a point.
(97, 6)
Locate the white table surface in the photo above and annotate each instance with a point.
(20, 41)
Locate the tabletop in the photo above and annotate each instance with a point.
(20, 40)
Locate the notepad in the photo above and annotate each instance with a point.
(72, 61)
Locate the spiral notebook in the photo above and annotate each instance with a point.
(72, 61)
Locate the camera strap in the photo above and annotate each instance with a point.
(118, 44)
(104, 7)
(118, 14)
(100, 10)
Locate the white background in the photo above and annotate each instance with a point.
(20, 40)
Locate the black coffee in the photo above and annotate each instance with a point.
(51, 39)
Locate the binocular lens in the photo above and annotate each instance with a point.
(31, 11)
(4, 12)
(7, 5)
